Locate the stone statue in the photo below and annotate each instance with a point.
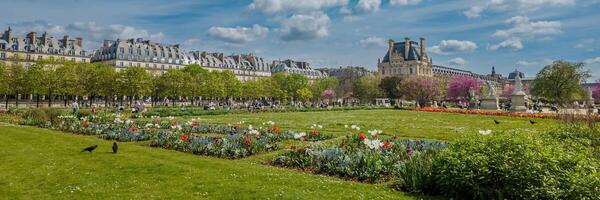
(518, 86)
(491, 90)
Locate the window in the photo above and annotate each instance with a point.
(120, 64)
(2, 55)
(39, 57)
(28, 57)
(73, 59)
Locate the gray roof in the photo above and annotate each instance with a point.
(399, 47)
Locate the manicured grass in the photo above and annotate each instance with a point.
(410, 124)
(45, 164)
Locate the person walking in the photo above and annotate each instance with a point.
(75, 107)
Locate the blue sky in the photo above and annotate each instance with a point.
(466, 34)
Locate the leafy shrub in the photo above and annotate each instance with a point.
(415, 175)
(519, 166)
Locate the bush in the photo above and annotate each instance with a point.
(519, 166)
(415, 175)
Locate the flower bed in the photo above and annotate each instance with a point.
(494, 113)
(360, 158)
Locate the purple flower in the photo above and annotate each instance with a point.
(409, 151)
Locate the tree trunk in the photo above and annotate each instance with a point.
(6, 103)
(17, 101)
(65, 99)
(37, 103)
(49, 99)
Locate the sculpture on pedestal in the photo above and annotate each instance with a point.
(490, 101)
(519, 97)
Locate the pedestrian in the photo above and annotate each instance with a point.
(75, 107)
(94, 109)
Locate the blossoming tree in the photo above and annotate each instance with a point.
(421, 89)
(463, 88)
(509, 89)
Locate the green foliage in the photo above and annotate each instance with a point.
(559, 81)
(134, 81)
(3, 78)
(322, 84)
(367, 88)
(519, 166)
(390, 87)
(174, 83)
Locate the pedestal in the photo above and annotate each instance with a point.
(490, 104)
(518, 103)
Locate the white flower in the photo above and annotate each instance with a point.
(320, 127)
(250, 126)
(149, 125)
(375, 132)
(346, 126)
(373, 144)
(254, 132)
(170, 118)
(353, 126)
(485, 132)
(299, 135)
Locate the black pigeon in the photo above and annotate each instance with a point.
(115, 147)
(496, 121)
(532, 122)
(90, 149)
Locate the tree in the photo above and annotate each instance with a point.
(36, 83)
(304, 94)
(68, 81)
(421, 89)
(390, 87)
(174, 83)
(215, 87)
(367, 88)
(253, 89)
(233, 86)
(596, 91)
(328, 94)
(106, 78)
(463, 88)
(134, 82)
(322, 84)
(199, 80)
(560, 81)
(17, 83)
(4, 79)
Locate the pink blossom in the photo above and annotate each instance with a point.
(460, 87)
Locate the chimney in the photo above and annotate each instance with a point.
(422, 48)
(391, 49)
(8, 34)
(79, 42)
(406, 47)
(45, 39)
(66, 41)
(32, 37)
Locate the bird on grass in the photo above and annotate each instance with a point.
(90, 149)
(496, 121)
(532, 122)
(115, 147)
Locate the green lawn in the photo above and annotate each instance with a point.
(410, 124)
(44, 164)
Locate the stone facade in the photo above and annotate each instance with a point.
(244, 66)
(405, 59)
(297, 67)
(346, 72)
(31, 48)
(155, 58)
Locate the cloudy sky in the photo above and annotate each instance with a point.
(467, 34)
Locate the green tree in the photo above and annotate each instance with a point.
(389, 87)
(175, 84)
(367, 88)
(322, 84)
(233, 86)
(560, 81)
(4, 80)
(253, 89)
(134, 82)
(17, 84)
(36, 84)
(68, 81)
(106, 77)
(215, 88)
(304, 94)
(199, 80)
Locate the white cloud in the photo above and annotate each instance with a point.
(373, 41)
(513, 43)
(590, 61)
(523, 27)
(527, 5)
(474, 12)
(368, 5)
(287, 6)
(587, 44)
(522, 6)
(404, 2)
(114, 31)
(459, 62)
(191, 43)
(447, 47)
(238, 34)
(305, 27)
(38, 26)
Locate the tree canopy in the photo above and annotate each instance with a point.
(560, 81)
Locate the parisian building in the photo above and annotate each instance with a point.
(297, 67)
(244, 66)
(154, 57)
(348, 72)
(32, 47)
(405, 59)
